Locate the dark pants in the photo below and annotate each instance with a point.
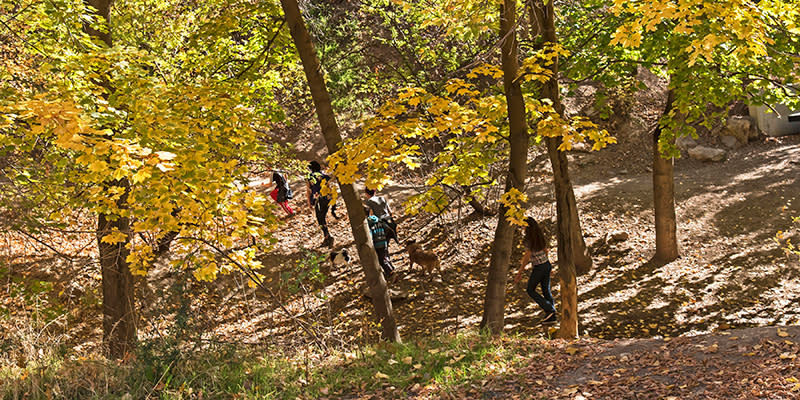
(384, 261)
(321, 212)
(541, 275)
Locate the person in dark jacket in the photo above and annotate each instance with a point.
(318, 202)
(282, 193)
(535, 246)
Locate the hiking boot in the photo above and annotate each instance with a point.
(390, 276)
(549, 319)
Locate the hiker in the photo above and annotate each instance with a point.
(377, 230)
(535, 246)
(380, 208)
(282, 193)
(320, 203)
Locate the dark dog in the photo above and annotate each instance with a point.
(427, 259)
(339, 258)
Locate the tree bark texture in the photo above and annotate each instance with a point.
(565, 206)
(664, 198)
(333, 139)
(568, 234)
(119, 311)
(494, 305)
(103, 10)
(541, 25)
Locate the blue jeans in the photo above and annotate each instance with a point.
(541, 275)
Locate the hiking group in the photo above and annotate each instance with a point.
(383, 228)
(382, 225)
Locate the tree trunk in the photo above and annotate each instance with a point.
(581, 253)
(565, 209)
(103, 10)
(568, 232)
(493, 319)
(664, 198)
(582, 256)
(333, 139)
(119, 312)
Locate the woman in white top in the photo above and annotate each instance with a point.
(380, 208)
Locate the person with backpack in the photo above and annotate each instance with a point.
(282, 193)
(535, 246)
(377, 230)
(320, 203)
(380, 208)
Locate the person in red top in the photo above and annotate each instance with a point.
(536, 253)
(282, 193)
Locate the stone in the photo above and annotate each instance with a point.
(703, 153)
(619, 236)
(741, 127)
(685, 142)
(775, 120)
(730, 142)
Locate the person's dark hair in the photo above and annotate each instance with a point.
(277, 177)
(314, 166)
(370, 192)
(534, 237)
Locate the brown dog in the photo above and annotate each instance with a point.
(427, 259)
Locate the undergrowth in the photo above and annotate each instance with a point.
(217, 371)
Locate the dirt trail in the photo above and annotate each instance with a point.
(732, 274)
(751, 363)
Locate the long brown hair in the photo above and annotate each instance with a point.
(534, 237)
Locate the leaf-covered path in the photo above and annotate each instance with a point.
(732, 272)
(750, 363)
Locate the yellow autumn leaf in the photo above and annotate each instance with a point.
(140, 176)
(98, 166)
(114, 237)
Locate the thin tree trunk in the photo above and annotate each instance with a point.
(103, 10)
(582, 256)
(566, 209)
(581, 253)
(333, 139)
(565, 206)
(664, 198)
(493, 318)
(119, 312)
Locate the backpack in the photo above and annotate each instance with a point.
(390, 226)
(378, 230)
